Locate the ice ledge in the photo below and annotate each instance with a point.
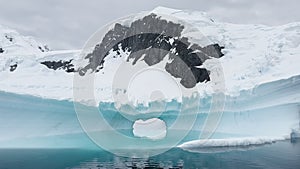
(230, 142)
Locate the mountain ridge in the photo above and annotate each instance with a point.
(253, 55)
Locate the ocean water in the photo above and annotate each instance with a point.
(284, 154)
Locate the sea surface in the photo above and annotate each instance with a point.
(280, 155)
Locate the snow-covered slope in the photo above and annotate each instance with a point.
(21, 70)
(260, 66)
(254, 54)
(11, 42)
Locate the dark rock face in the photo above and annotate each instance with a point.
(13, 67)
(60, 65)
(1, 50)
(167, 38)
(120, 32)
(213, 50)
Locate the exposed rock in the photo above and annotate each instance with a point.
(60, 65)
(167, 38)
(44, 48)
(13, 67)
(41, 49)
(119, 32)
(9, 38)
(213, 50)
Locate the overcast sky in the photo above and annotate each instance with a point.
(67, 24)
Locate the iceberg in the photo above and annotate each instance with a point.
(261, 88)
(28, 119)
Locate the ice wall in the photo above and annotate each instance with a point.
(270, 109)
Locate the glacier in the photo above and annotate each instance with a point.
(28, 121)
(261, 76)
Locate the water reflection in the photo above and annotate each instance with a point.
(278, 155)
(130, 163)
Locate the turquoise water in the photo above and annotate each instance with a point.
(279, 155)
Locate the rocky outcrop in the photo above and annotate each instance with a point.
(13, 67)
(152, 32)
(60, 65)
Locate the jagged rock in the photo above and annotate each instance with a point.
(58, 65)
(167, 38)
